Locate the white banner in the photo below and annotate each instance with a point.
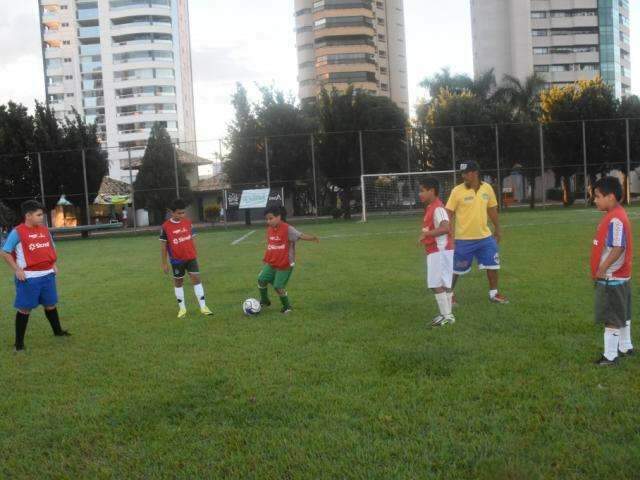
(254, 198)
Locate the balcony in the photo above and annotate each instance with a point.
(93, 49)
(88, 14)
(49, 16)
(89, 32)
(321, 5)
(116, 5)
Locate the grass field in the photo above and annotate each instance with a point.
(352, 385)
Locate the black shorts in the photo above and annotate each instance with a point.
(613, 304)
(181, 269)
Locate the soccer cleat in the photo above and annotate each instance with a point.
(442, 320)
(605, 362)
(205, 311)
(499, 299)
(286, 310)
(63, 333)
(182, 312)
(628, 353)
(18, 351)
(265, 304)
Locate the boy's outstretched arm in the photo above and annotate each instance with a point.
(309, 238)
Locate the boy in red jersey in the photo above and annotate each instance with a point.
(31, 254)
(178, 247)
(438, 243)
(280, 257)
(611, 263)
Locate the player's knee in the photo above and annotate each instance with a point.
(24, 311)
(50, 307)
(178, 282)
(281, 292)
(262, 284)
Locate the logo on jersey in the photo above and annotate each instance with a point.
(485, 196)
(36, 246)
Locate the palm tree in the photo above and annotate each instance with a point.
(521, 102)
(482, 86)
(523, 97)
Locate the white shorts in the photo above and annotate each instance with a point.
(440, 269)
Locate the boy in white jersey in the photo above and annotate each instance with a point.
(438, 242)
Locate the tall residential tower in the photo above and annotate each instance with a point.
(124, 64)
(562, 40)
(359, 42)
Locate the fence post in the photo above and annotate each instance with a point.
(266, 158)
(133, 193)
(628, 163)
(44, 200)
(584, 163)
(498, 166)
(175, 168)
(544, 191)
(408, 140)
(453, 154)
(313, 169)
(226, 207)
(364, 198)
(361, 153)
(86, 187)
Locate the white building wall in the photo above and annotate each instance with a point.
(59, 13)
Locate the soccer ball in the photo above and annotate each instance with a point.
(251, 306)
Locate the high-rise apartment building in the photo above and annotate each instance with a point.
(358, 42)
(562, 40)
(124, 64)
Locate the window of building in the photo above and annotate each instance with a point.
(538, 14)
(540, 68)
(536, 32)
(540, 50)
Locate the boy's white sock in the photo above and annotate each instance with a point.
(625, 338)
(492, 294)
(180, 296)
(443, 303)
(611, 336)
(199, 291)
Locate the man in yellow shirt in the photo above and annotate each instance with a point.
(471, 204)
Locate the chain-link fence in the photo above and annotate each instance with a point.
(320, 174)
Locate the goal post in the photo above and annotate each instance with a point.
(398, 192)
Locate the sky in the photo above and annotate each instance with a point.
(253, 42)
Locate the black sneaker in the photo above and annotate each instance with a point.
(265, 304)
(286, 310)
(18, 350)
(63, 333)
(628, 353)
(605, 362)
